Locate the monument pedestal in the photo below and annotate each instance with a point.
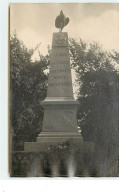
(60, 107)
(59, 125)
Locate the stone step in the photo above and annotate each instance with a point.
(57, 134)
(59, 139)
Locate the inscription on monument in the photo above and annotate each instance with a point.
(60, 62)
(60, 54)
(59, 77)
(59, 70)
(60, 84)
(59, 39)
(59, 119)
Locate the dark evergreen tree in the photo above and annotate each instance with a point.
(28, 86)
(97, 95)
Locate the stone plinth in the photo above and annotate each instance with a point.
(60, 107)
(44, 146)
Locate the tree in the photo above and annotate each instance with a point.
(97, 95)
(28, 86)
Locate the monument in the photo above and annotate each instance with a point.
(60, 107)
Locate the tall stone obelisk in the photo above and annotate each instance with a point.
(59, 123)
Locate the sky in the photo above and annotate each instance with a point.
(35, 23)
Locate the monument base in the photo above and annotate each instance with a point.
(44, 141)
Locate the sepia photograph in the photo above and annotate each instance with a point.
(64, 90)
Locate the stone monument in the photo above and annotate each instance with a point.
(60, 107)
(59, 123)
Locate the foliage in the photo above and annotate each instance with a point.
(97, 95)
(28, 86)
(61, 160)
